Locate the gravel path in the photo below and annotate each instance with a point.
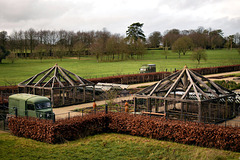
(64, 112)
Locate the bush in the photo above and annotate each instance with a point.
(192, 133)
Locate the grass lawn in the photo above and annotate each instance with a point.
(87, 67)
(107, 146)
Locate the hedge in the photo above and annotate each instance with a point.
(199, 134)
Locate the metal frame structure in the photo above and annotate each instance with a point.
(187, 93)
(60, 85)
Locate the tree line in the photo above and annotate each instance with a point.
(107, 46)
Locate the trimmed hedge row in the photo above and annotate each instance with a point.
(199, 134)
(68, 129)
(156, 76)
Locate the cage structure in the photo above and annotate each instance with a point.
(187, 95)
(60, 85)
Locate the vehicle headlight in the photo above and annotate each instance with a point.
(48, 115)
(40, 115)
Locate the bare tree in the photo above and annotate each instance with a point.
(170, 37)
(199, 54)
(79, 48)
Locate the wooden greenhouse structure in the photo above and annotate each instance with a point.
(187, 95)
(60, 85)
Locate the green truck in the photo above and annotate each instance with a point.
(30, 105)
(147, 68)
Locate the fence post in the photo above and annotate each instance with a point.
(106, 108)
(16, 111)
(4, 123)
(54, 118)
(82, 112)
(68, 115)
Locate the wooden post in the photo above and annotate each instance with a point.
(182, 107)
(156, 105)
(165, 107)
(63, 97)
(94, 92)
(84, 94)
(226, 108)
(218, 110)
(135, 104)
(148, 104)
(199, 111)
(209, 111)
(74, 95)
(234, 106)
(52, 97)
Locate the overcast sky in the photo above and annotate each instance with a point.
(117, 15)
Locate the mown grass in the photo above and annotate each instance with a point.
(107, 146)
(87, 67)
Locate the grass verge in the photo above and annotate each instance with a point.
(106, 146)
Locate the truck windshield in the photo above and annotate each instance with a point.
(43, 105)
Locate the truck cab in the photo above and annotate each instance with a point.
(147, 68)
(30, 105)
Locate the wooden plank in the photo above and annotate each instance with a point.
(187, 91)
(206, 86)
(74, 75)
(194, 88)
(175, 83)
(45, 76)
(48, 82)
(59, 82)
(34, 77)
(153, 113)
(65, 76)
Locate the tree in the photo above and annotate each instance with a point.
(229, 43)
(154, 39)
(39, 51)
(135, 38)
(3, 38)
(3, 53)
(199, 37)
(11, 57)
(79, 48)
(165, 52)
(182, 45)
(199, 54)
(238, 50)
(135, 32)
(170, 37)
(215, 39)
(98, 48)
(237, 39)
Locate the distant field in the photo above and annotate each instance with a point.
(107, 146)
(88, 67)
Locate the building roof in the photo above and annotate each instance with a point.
(187, 85)
(55, 77)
